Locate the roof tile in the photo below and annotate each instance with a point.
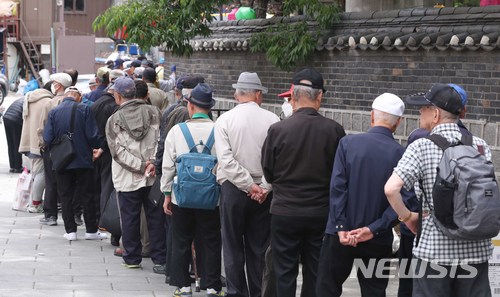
(407, 29)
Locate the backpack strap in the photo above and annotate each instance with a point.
(210, 143)
(439, 141)
(190, 141)
(187, 136)
(466, 139)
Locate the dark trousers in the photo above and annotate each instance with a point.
(294, 237)
(405, 254)
(130, 204)
(72, 185)
(186, 223)
(456, 282)
(168, 230)
(245, 238)
(13, 134)
(336, 262)
(268, 279)
(51, 196)
(104, 181)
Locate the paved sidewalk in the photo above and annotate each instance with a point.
(35, 260)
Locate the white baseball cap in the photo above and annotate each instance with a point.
(63, 78)
(390, 104)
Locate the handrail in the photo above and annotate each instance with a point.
(38, 56)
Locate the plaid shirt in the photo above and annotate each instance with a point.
(419, 162)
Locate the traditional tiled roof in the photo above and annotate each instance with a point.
(461, 28)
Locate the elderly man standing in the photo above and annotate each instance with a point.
(75, 180)
(239, 135)
(60, 81)
(419, 165)
(300, 177)
(360, 219)
(29, 144)
(186, 222)
(157, 96)
(132, 134)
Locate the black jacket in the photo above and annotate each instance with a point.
(102, 109)
(15, 111)
(297, 158)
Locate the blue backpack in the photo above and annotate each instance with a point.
(196, 185)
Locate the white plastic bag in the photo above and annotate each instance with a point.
(23, 191)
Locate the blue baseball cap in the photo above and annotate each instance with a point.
(461, 91)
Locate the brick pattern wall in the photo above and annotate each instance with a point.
(354, 78)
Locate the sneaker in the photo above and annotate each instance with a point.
(95, 236)
(214, 293)
(159, 268)
(78, 220)
(35, 208)
(184, 292)
(50, 221)
(131, 266)
(70, 236)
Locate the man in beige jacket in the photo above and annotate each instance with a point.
(29, 144)
(132, 133)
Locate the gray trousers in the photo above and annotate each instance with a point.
(460, 281)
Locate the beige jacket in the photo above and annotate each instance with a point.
(239, 136)
(175, 145)
(132, 133)
(44, 115)
(157, 97)
(32, 112)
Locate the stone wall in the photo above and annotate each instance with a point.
(400, 51)
(354, 78)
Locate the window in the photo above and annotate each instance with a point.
(74, 5)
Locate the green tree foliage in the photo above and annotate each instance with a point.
(160, 22)
(288, 45)
(172, 24)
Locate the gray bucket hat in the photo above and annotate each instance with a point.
(251, 81)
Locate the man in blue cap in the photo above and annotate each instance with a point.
(132, 135)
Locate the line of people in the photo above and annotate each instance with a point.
(300, 189)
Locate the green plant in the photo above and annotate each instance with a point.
(288, 45)
(170, 24)
(466, 3)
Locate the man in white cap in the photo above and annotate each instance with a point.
(60, 81)
(239, 135)
(74, 181)
(360, 219)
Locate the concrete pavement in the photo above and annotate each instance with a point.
(35, 260)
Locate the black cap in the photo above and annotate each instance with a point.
(417, 99)
(440, 95)
(135, 63)
(311, 75)
(446, 98)
(191, 81)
